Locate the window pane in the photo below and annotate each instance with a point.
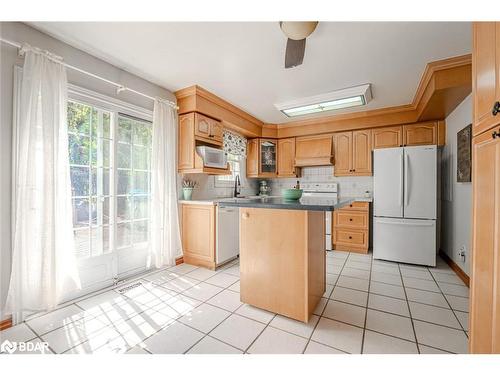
(78, 149)
(100, 238)
(79, 118)
(141, 209)
(123, 234)
(141, 183)
(106, 123)
(141, 157)
(100, 181)
(140, 231)
(142, 133)
(123, 209)
(80, 181)
(82, 243)
(99, 214)
(80, 212)
(123, 155)
(124, 182)
(125, 129)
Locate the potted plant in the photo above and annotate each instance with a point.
(187, 188)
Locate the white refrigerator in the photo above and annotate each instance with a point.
(405, 204)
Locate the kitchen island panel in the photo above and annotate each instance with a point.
(282, 260)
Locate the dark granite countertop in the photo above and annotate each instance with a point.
(304, 203)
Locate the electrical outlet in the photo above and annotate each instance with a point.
(461, 253)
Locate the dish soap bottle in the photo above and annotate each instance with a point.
(297, 186)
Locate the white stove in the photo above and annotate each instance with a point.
(324, 190)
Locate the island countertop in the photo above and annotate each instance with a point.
(304, 203)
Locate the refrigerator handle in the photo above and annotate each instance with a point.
(407, 172)
(401, 174)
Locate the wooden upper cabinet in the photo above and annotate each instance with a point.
(420, 134)
(286, 158)
(485, 74)
(343, 154)
(353, 153)
(362, 152)
(313, 150)
(208, 129)
(253, 157)
(485, 269)
(186, 146)
(391, 136)
(268, 154)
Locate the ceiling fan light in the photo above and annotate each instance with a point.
(298, 30)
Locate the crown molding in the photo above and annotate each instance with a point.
(443, 86)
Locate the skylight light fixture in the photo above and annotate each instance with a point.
(335, 100)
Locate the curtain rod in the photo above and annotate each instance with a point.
(119, 87)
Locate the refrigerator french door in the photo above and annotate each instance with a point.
(405, 204)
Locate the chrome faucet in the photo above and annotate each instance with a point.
(237, 186)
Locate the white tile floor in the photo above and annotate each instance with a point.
(370, 306)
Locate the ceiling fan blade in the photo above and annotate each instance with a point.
(294, 54)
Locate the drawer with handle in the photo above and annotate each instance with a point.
(356, 206)
(351, 219)
(342, 236)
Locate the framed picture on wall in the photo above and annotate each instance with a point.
(464, 154)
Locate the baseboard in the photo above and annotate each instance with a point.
(179, 260)
(4, 324)
(460, 273)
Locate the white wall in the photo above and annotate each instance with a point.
(20, 33)
(456, 208)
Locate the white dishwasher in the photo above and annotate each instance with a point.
(227, 237)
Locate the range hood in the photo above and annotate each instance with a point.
(313, 151)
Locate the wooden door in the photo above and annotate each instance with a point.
(216, 131)
(343, 154)
(485, 281)
(198, 234)
(485, 74)
(253, 158)
(420, 134)
(268, 158)
(202, 126)
(391, 136)
(185, 148)
(362, 152)
(286, 157)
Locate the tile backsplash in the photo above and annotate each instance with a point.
(347, 186)
(209, 188)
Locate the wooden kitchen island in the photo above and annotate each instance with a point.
(282, 253)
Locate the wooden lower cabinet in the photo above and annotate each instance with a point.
(351, 227)
(198, 234)
(282, 260)
(485, 276)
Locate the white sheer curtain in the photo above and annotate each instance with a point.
(44, 268)
(165, 233)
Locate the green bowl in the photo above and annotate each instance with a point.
(291, 194)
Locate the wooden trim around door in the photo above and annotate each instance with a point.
(4, 324)
(460, 273)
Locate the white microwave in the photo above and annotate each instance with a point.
(212, 157)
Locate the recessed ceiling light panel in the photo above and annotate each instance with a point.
(335, 100)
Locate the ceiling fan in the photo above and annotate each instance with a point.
(297, 32)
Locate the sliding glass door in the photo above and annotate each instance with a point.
(110, 179)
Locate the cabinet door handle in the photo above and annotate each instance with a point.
(350, 219)
(496, 108)
(495, 134)
(245, 215)
(350, 237)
